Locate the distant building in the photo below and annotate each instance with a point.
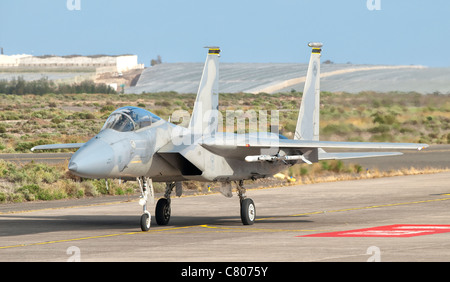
(11, 61)
(99, 63)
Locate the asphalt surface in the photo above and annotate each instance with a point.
(208, 228)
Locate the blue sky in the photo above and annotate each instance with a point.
(401, 32)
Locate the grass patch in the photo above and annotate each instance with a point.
(42, 182)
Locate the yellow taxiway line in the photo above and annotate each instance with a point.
(208, 228)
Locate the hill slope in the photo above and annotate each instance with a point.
(282, 77)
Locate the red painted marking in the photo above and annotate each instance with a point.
(397, 230)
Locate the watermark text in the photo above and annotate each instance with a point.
(375, 252)
(373, 5)
(75, 254)
(73, 5)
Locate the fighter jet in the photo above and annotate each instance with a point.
(135, 144)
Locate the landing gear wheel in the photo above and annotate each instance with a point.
(162, 211)
(248, 211)
(145, 222)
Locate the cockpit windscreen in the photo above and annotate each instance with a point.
(130, 119)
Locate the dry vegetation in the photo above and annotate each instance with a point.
(29, 120)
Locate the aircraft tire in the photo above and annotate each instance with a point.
(145, 222)
(248, 211)
(162, 211)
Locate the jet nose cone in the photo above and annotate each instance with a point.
(73, 166)
(95, 159)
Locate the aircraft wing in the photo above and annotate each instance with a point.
(58, 146)
(257, 149)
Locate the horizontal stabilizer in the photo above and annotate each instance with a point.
(58, 146)
(355, 155)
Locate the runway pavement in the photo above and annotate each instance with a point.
(208, 228)
(435, 156)
(49, 158)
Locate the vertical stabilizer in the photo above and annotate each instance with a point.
(204, 119)
(308, 116)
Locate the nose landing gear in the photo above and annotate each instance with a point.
(146, 194)
(163, 209)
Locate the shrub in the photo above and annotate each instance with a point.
(24, 146)
(33, 191)
(303, 171)
(42, 86)
(337, 166)
(107, 108)
(2, 197)
(382, 128)
(325, 165)
(357, 168)
(382, 118)
(89, 189)
(338, 129)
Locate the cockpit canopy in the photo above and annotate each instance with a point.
(130, 119)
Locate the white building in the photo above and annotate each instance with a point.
(102, 63)
(11, 61)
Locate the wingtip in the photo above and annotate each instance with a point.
(422, 147)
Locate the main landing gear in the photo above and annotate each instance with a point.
(248, 209)
(163, 209)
